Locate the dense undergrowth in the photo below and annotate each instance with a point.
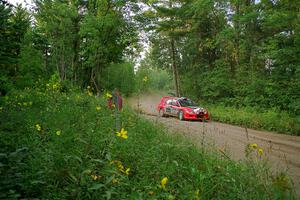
(62, 145)
(258, 118)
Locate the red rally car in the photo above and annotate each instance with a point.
(183, 108)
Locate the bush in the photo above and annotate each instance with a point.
(57, 145)
(152, 79)
(252, 117)
(119, 76)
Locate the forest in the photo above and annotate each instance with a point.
(238, 53)
(61, 59)
(229, 52)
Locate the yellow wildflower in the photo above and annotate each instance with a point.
(120, 166)
(253, 146)
(145, 79)
(94, 177)
(108, 95)
(55, 86)
(58, 132)
(38, 127)
(150, 193)
(122, 134)
(127, 171)
(197, 194)
(115, 181)
(163, 183)
(90, 93)
(98, 108)
(260, 152)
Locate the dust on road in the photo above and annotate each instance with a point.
(282, 151)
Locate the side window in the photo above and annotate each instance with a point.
(169, 102)
(174, 103)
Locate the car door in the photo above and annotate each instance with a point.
(168, 108)
(175, 108)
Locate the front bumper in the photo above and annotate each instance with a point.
(196, 117)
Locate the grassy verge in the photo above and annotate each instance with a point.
(62, 146)
(257, 118)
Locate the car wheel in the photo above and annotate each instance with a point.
(161, 112)
(180, 115)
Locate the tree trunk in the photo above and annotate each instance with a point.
(46, 59)
(237, 35)
(175, 72)
(76, 48)
(94, 81)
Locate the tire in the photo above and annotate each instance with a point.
(180, 115)
(161, 113)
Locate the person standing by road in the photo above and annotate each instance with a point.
(118, 102)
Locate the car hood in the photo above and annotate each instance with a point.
(196, 109)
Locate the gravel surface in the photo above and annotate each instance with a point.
(282, 151)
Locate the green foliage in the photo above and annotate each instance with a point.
(152, 79)
(211, 85)
(57, 145)
(77, 40)
(258, 118)
(119, 76)
(30, 67)
(238, 53)
(14, 25)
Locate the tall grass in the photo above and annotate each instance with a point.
(58, 145)
(258, 118)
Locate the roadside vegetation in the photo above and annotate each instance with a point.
(58, 59)
(59, 143)
(257, 118)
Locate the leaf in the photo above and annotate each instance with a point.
(109, 180)
(87, 171)
(176, 163)
(81, 140)
(108, 194)
(73, 177)
(98, 161)
(96, 186)
(3, 155)
(22, 149)
(77, 158)
(37, 182)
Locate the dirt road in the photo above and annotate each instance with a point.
(282, 151)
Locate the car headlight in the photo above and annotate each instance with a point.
(190, 112)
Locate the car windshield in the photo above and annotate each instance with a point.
(186, 102)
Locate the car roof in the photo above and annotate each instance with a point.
(176, 98)
(170, 97)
